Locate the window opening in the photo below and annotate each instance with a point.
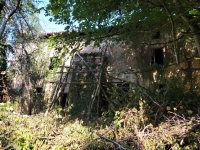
(161, 86)
(124, 86)
(54, 61)
(63, 101)
(156, 35)
(39, 89)
(158, 56)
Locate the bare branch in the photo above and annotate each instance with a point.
(109, 140)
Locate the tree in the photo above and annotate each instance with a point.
(30, 68)
(25, 29)
(18, 24)
(128, 18)
(7, 10)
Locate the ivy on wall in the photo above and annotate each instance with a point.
(82, 88)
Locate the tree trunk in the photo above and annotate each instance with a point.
(4, 96)
(28, 84)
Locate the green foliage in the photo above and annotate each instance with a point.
(175, 93)
(131, 128)
(6, 107)
(19, 22)
(55, 63)
(134, 123)
(39, 132)
(124, 20)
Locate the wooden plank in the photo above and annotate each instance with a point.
(74, 82)
(77, 72)
(85, 82)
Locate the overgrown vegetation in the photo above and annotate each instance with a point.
(130, 128)
(137, 119)
(161, 117)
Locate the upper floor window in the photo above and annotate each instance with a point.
(158, 56)
(156, 35)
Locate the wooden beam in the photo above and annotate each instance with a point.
(85, 82)
(74, 82)
(77, 72)
(190, 69)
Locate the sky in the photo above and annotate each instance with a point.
(44, 20)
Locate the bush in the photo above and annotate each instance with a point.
(130, 128)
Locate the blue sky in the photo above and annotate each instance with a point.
(44, 20)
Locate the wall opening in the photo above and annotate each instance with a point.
(51, 64)
(39, 89)
(124, 86)
(161, 86)
(158, 56)
(54, 62)
(63, 101)
(156, 35)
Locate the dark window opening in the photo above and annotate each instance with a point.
(39, 89)
(156, 35)
(158, 56)
(124, 86)
(161, 86)
(54, 62)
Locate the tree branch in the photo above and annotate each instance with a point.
(173, 30)
(7, 18)
(109, 140)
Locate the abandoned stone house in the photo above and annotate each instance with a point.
(84, 79)
(92, 71)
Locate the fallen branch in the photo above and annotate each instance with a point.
(109, 140)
